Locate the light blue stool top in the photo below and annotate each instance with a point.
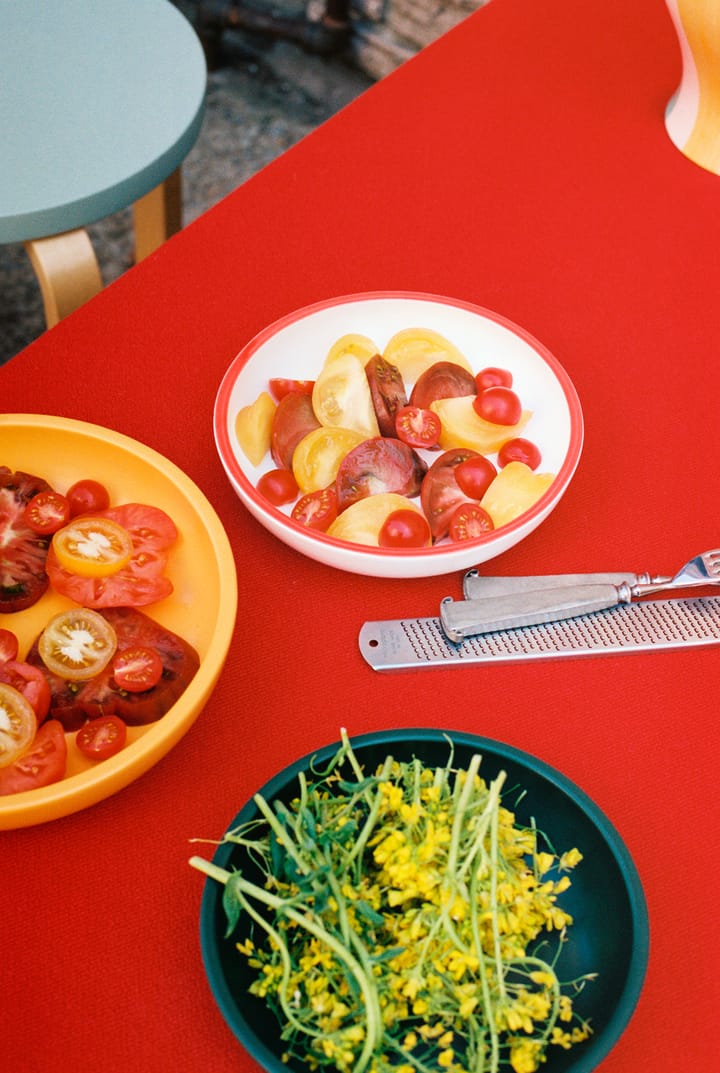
(100, 101)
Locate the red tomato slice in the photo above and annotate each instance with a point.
(441, 494)
(470, 521)
(42, 764)
(87, 497)
(101, 738)
(294, 417)
(387, 391)
(278, 486)
(18, 724)
(137, 668)
(47, 512)
(443, 380)
(8, 645)
(317, 510)
(281, 386)
(519, 450)
(418, 427)
(23, 553)
(31, 682)
(379, 465)
(405, 529)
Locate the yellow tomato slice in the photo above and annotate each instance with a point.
(253, 427)
(341, 397)
(413, 350)
(17, 724)
(77, 644)
(515, 490)
(360, 346)
(462, 427)
(317, 457)
(361, 523)
(93, 546)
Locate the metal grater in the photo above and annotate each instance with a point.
(656, 625)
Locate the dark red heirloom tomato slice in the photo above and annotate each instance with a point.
(378, 465)
(294, 417)
(405, 529)
(42, 764)
(101, 738)
(47, 512)
(281, 386)
(418, 428)
(137, 668)
(31, 682)
(443, 380)
(75, 702)
(493, 377)
(441, 494)
(278, 486)
(317, 510)
(87, 497)
(520, 450)
(469, 521)
(387, 391)
(475, 475)
(23, 553)
(8, 645)
(500, 405)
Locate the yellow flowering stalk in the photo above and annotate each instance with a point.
(400, 924)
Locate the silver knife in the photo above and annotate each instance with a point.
(476, 586)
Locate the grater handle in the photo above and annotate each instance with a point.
(466, 618)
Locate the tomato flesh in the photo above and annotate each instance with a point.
(387, 391)
(292, 420)
(18, 724)
(443, 380)
(23, 553)
(137, 668)
(440, 494)
(281, 386)
(417, 427)
(42, 763)
(317, 510)
(8, 645)
(77, 644)
(47, 512)
(101, 738)
(93, 546)
(31, 682)
(379, 465)
(469, 522)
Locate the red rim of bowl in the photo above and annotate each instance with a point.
(553, 493)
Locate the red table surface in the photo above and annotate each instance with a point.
(521, 162)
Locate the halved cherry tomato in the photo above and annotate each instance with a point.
(87, 497)
(42, 763)
(387, 391)
(378, 465)
(93, 546)
(278, 486)
(493, 377)
(23, 579)
(362, 521)
(475, 475)
(101, 738)
(500, 405)
(469, 522)
(418, 427)
(47, 512)
(8, 645)
(520, 450)
(294, 417)
(18, 724)
(405, 529)
(77, 644)
(137, 668)
(440, 493)
(317, 510)
(31, 682)
(281, 386)
(443, 380)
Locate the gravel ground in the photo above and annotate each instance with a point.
(262, 99)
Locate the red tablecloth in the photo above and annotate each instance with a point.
(521, 162)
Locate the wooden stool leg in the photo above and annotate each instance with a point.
(67, 270)
(158, 215)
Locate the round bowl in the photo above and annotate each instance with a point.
(201, 608)
(295, 347)
(609, 935)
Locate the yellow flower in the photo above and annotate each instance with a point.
(543, 862)
(570, 859)
(446, 1057)
(525, 1056)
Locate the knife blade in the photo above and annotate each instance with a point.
(477, 586)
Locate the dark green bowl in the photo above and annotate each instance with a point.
(610, 930)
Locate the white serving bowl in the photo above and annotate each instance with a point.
(295, 347)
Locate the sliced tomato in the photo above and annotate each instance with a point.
(142, 580)
(75, 702)
(341, 397)
(520, 450)
(23, 553)
(318, 456)
(387, 391)
(417, 427)
(317, 510)
(294, 417)
(42, 763)
(47, 512)
(469, 522)
(31, 682)
(8, 645)
(137, 668)
(405, 529)
(440, 493)
(101, 738)
(281, 386)
(278, 486)
(443, 380)
(87, 497)
(77, 644)
(18, 724)
(92, 546)
(379, 465)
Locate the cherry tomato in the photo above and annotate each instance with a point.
(440, 493)
(405, 529)
(493, 377)
(281, 386)
(499, 405)
(47, 512)
(136, 669)
(469, 522)
(101, 738)
(18, 724)
(520, 450)
(443, 380)
(278, 486)
(362, 521)
(77, 644)
(387, 391)
(475, 475)
(93, 546)
(378, 465)
(293, 419)
(87, 497)
(42, 763)
(31, 682)
(418, 427)
(317, 510)
(23, 579)
(8, 645)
